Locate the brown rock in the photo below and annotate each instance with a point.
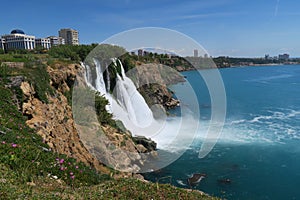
(27, 89)
(54, 121)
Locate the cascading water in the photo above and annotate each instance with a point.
(129, 106)
(87, 75)
(124, 99)
(141, 111)
(100, 84)
(107, 78)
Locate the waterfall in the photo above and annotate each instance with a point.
(128, 105)
(124, 100)
(122, 69)
(100, 84)
(107, 78)
(141, 112)
(87, 74)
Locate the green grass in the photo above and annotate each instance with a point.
(49, 188)
(17, 57)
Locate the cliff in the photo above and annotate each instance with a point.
(54, 122)
(153, 80)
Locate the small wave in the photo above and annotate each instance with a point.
(237, 121)
(273, 115)
(293, 113)
(259, 118)
(180, 182)
(275, 126)
(269, 78)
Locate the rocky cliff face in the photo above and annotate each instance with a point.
(54, 121)
(152, 80)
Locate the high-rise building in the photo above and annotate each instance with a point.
(196, 53)
(43, 42)
(69, 35)
(283, 56)
(55, 41)
(17, 39)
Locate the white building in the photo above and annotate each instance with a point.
(17, 39)
(43, 42)
(2, 43)
(70, 36)
(55, 41)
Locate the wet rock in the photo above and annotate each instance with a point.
(147, 143)
(195, 179)
(172, 103)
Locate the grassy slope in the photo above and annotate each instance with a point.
(28, 170)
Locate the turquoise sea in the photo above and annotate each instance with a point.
(259, 149)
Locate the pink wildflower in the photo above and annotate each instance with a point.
(61, 161)
(14, 145)
(72, 177)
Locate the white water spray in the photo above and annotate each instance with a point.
(129, 106)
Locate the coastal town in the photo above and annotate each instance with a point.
(18, 39)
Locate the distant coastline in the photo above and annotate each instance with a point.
(261, 65)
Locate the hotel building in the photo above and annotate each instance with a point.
(17, 39)
(70, 36)
(43, 42)
(55, 41)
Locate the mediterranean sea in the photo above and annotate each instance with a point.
(259, 147)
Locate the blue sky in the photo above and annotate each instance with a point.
(248, 28)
